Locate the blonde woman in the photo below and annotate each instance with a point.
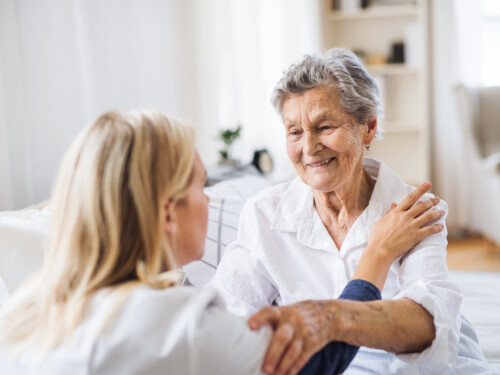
(128, 210)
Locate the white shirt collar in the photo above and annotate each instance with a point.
(296, 212)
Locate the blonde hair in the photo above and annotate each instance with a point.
(108, 210)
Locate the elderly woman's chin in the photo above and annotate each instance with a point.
(323, 179)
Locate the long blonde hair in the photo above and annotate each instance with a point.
(106, 225)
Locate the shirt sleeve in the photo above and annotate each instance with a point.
(223, 344)
(241, 279)
(424, 278)
(336, 356)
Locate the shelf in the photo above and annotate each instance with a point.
(391, 69)
(387, 11)
(403, 87)
(400, 127)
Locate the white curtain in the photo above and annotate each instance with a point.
(455, 50)
(214, 62)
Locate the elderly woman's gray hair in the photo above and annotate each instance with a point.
(337, 68)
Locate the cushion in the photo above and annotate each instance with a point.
(22, 240)
(226, 201)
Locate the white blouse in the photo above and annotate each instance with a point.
(283, 252)
(179, 330)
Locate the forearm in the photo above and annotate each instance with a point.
(373, 266)
(401, 326)
(336, 356)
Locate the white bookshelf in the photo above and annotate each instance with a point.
(386, 11)
(404, 86)
(391, 69)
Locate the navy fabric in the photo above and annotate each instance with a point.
(336, 356)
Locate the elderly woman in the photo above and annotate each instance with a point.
(304, 239)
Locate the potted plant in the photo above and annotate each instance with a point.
(228, 136)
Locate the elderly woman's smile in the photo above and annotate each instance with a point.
(321, 164)
(325, 144)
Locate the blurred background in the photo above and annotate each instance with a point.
(215, 62)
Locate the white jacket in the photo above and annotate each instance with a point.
(179, 330)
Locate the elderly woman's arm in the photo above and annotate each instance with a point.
(305, 327)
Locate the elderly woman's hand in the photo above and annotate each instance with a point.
(301, 330)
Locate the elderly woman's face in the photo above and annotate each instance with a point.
(324, 143)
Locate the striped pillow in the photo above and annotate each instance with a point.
(226, 201)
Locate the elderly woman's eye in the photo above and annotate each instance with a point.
(326, 127)
(294, 132)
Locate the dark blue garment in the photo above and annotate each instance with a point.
(336, 356)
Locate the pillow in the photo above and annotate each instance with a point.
(22, 241)
(226, 201)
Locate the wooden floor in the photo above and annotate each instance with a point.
(473, 254)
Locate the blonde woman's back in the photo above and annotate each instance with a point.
(179, 330)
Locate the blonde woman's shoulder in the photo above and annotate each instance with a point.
(149, 308)
(181, 329)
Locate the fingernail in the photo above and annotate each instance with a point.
(441, 212)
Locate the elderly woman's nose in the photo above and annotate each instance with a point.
(311, 143)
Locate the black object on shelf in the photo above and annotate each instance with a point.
(397, 53)
(263, 161)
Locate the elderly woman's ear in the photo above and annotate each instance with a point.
(371, 131)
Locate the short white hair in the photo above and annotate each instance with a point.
(337, 68)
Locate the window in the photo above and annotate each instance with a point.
(490, 56)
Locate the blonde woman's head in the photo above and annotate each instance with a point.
(127, 191)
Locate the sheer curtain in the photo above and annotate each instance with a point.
(214, 62)
(244, 47)
(456, 50)
(465, 39)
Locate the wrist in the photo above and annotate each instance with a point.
(334, 319)
(373, 266)
(378, 256)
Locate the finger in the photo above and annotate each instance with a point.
(428, 217)
(267, 316)
(429, 231)
(279, 343)
(414, 196)
(299, 364)
(291, 356)
(419, 208)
